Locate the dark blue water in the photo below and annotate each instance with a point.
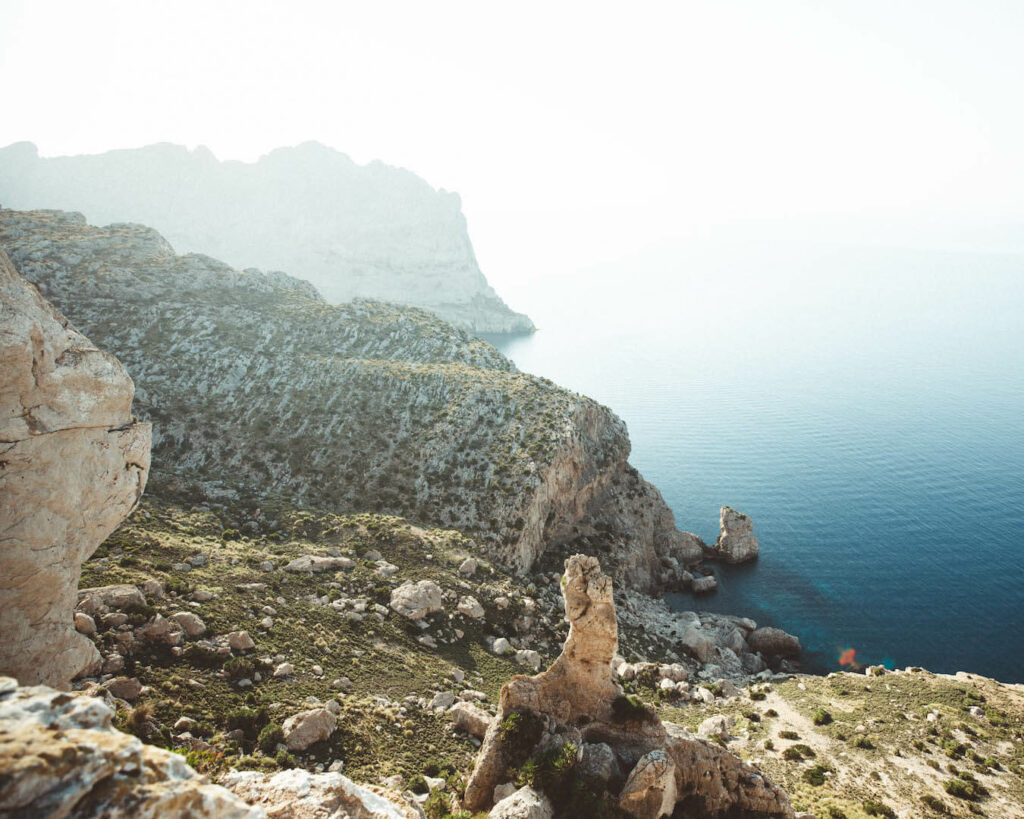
(865, 407)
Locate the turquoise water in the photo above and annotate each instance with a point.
(863, 406)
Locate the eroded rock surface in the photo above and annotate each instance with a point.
(73, 465)
(60, 756)
(736, 543)
(577, 703)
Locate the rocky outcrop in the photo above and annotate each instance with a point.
(736, 543)
(299, 794)
(567, 711)
(60, 756)
(254, 380)
(73, 465)
(369, 231)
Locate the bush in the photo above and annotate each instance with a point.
(771, 712)
(202, 657)
(964, 789)
(789, 735)
(815, 775)
(247, 720)
(630, 708)
(758, 695)
(861, 741)
(270, 737)
(933, 803)
(520, 733)
(873, 808)
(139, 613)
(239, 667)
(285, 759)
(821, 717)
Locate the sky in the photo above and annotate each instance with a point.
(574, 132)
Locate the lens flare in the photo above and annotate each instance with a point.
(848, 656)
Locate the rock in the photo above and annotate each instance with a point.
(472, 719)
(184, 724)
(503, 791)
(698, 643)
(303, 729)
(577, 698)
(153, 588)
(468, 567)
(240, 641)
(317, 671)
(113, 664)
(161, 630)
(267, 566)
(299, 794)
(598, 760)
(774, 642)
(501, 646)
(716, 726)
(204, 596)
(385, 569)
(125, 689)
(442, 700)
(470, 607)
(318, 563)
(675, 672)
(530, 658)
(525, 803)
(650, 789)
(705, 584)
(84, 624)
(103, 598)
(61, 757)
(190, 623)
(73, 466)
(416, 600)
(736, 543)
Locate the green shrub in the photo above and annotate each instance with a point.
(821, 717)
(520, 733)
(239, 667)
(771, 712)
(757, 695)
(630, 708)
(933, 803)
(139, 613)
(967, 789)
(285, 759)
(789, 735)
(247, 720)
(861, 741)
(873, 808)
(270, 737)
(815, 775)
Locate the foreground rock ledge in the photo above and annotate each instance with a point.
(73, 465)
(650, 767)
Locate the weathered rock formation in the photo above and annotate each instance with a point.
(60, 756)
(254, 380)
(575, 711)
(73, 464)
(736, 543)
(299, 794)
(369, 231)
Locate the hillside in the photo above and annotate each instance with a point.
(370, 231)
(251, 379)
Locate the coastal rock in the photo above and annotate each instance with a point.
(578, 700)
(774, 642)
(416, 600)
(299, 794)
(60, 756)
(73, 465)
(736, 543)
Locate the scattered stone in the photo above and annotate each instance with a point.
(416, 600)
(525, 803)
(442, 700)
(529, 658)
(470, 607)
(468, 567)
(284, 670)
(125, 688)
(470, 718)
(203, 596)
(240, 641)
(299, 794)
(84, 624)
(501, 646)
(318, 563)
(190, 623)
(307, 727)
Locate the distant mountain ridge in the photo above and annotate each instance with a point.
(372, 231)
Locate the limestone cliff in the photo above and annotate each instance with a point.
(73, 464)
(369, 231)
(251, 378)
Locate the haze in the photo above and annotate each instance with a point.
(574, 132)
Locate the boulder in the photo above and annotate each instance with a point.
(416, 600)
(240, 641)
(525, 803)
(103, 598)
(650, 790)
(470, 607)
(299, 794)
(698, 642)
(716, 726)
(318, 563)
(303, 729)
(774, 642)
(190, 623)
(705, 584)
(73, 465)
(470, 718)
(468, 566)
(125, 688)
(60, 756)
(736, 543)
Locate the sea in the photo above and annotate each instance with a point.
(864, 405)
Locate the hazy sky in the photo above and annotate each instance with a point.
(573, 131)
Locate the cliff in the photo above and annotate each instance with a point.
(371, 231)
(252, 379)
(73, 464)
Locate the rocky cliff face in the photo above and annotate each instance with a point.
(252, 378)
(73, 464)
(369, 231)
